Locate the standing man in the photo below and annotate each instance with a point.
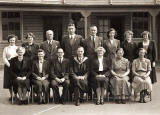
(60, 76)
(71, 42)
(50, 46)
(93, 42)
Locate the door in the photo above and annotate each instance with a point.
(53, 23)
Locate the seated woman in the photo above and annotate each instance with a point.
(79, 75)
(40, 72)
(100, 72)
(120, 70)
(141, 68)
(20, 68)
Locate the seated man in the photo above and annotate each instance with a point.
(60, 76)
(40, 70)
(79, 75)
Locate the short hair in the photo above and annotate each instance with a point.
(30, 34)
(60, 49)
(71, 24)
(41, 50)
(128, 31)
(12, 36)
(20, 48)
(100, 48)
(145, 33)
(49, 31)
(80, 47)
(112, 29)
(120, 49)
(92, 26)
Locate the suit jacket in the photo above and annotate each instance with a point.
(95, 67)
(111, 48)
(20, 69)
(151, 51)
(35, 69)
(60, 70)
(78, 68)
(31, 50)
(50, 52)
(130, 50)
(90, 45)
(71, 49)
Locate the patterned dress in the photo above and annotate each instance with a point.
(121, 86)
(141, 67)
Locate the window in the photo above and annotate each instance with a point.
(140, 23)
(103, 25)
(10, 24)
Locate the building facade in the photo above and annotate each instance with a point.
(22, 16)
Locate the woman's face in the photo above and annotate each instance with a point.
(20, 52)
(30, 39)
(12, 41)
(119, 53)
(142, 53)
(128, 36)
(146, 36)
(100, 52)
(111, 34)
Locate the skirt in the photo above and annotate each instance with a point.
(8, 79)
(120, 86)
(100, 82)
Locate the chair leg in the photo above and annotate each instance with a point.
(28, 96)
(87, 97)
(32, 93)
(108, 96)
(12, 101)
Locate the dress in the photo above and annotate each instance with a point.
(9, 52)
(151, 55)
(121, 86)
(141, 67)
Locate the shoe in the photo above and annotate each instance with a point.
(25, 102)
(77, 102)
(118, 101)
(123, 101)
(98, 102)
(20, 102)
(102, 102)
(141, 97)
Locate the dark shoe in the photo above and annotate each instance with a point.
(141, 96)
(20, 102)
(98, 102)
(123, 101)
(102, 101)
(118, 101)
(77, 103)
(10, 99)
(25, 102)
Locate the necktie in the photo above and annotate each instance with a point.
(71, 39)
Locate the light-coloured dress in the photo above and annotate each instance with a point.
(121, 86)
(9, 52)
(141, 67)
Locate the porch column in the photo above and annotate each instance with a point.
(1, 36)
(154, 14)
(85, 14)
(21, 26)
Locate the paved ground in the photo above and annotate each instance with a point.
(89, 108)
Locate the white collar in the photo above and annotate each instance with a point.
(84, 59)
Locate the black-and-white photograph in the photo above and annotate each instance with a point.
(79, 57)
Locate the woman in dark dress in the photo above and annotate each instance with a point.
(20, 69)
(100, 72)
(111, 44)
(79, 74)
(149, 46)
(130, 49)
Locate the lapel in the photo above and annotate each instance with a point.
(91, 42)
(68, 41)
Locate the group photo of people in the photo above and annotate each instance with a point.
(87, 69)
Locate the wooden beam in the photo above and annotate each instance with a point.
(1, 34)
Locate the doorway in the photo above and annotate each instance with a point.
(117, 22)
(53, 23)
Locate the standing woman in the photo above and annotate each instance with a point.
(149, 46)
(111, 44)
(8, 53)
(100, 73)
(130, 49)
(31, 49)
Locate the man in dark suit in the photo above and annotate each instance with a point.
(93, 42)
(60, 76)
(40, 72)
(50, 46)
(71, 42)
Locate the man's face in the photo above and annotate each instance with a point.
(30, 39)
(93, 31)
(49, 35)
(41, 55)
(60, 53)
(71, 30)
(80, 52)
